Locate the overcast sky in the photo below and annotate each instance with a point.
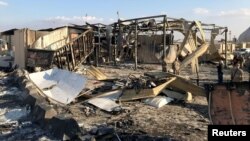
(37, 14)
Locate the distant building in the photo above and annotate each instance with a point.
(245, 36)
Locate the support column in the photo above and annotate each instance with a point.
(97, 48)
(136, 45)
(164, 65)
(226, 30)
(115, 46)
(109, 38)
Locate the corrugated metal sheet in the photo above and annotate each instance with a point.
(59, 85)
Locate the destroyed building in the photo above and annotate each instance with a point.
(76, 77)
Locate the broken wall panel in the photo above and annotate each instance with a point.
(150, 49)
(22, 40)
(53, 40)
(57, 38)
(39, 58)
(66, 57)
(150, 45)
(59, 85)
(20, 43)
(179, 83)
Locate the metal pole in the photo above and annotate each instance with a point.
(143, 18)
(136, 44)
(110, 48)
(226, 30)
(98, 47)
(164, 65)
(119, 47)
(115, 46)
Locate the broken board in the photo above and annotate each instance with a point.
(98, 74)
(179, 83)
(132, 94)
(194, 55)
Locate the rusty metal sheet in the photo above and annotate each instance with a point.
(220, 106)
(229, 104)
(241, 107)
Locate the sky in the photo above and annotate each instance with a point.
(38, 14)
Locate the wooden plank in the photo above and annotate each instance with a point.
(132, 94)
(84, 46)
(67, 56)
(79, 49)
(60, 57)
(72, 56)
(161, 75)
(194, 55)
(189, 30)
(179, 83)
(57, 59)
(185, 85)
(97, 73)
(202, 33)
(73, 48)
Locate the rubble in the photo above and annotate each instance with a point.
(12, 115)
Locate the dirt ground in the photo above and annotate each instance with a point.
(178, 120)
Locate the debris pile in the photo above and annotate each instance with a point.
(153, 88)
